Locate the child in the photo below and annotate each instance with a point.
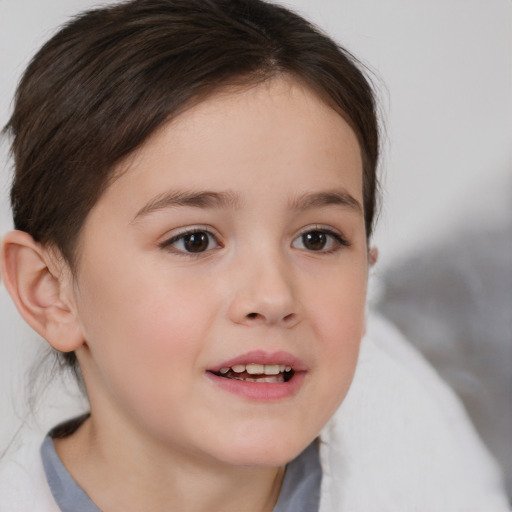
(193, 199)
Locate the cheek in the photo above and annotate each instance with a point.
(339, 298)
(141, 324)
(145, 339)
(339, 324)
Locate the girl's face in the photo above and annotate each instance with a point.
(222, 278)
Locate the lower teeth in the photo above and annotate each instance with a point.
(246, 377)
(278, 378)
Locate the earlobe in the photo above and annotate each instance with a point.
(40, 288)
(373, 255)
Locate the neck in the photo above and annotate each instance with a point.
(135, 476)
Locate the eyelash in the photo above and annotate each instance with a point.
(167, 244)
(338, 240)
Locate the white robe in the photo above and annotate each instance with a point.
(400, 442)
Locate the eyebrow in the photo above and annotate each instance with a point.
(204, 199)
(227, 199)
(327, 198)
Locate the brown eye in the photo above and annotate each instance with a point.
(196, 242)
(193, 242)
(320, 240)
(314, 240)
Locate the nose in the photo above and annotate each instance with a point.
(264, 293)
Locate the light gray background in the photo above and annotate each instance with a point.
(445, 81)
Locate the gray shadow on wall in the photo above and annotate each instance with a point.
(454, 303)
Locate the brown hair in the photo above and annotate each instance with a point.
(111, 77)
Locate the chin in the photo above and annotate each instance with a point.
(275, 451)
(260, 460)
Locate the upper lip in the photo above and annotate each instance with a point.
(262, 357)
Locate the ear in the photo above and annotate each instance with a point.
(41, 287)
(373, 255)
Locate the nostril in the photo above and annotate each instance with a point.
(287, 319)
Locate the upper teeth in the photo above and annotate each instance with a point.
(257, 369)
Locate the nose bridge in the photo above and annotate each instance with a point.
(264, 290)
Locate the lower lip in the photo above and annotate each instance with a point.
(260, 391)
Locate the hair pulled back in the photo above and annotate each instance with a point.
(112, 76)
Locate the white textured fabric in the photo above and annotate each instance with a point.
(400, 442)
(23, 486)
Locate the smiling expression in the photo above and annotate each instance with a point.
(222, 277)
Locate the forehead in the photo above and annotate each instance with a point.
(278, 133)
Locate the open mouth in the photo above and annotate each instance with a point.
(252, 372)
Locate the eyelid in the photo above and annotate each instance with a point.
(175, 235)
(178, 233)
(339, 238)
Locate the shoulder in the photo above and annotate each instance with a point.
(401, 440)
(23, 486)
